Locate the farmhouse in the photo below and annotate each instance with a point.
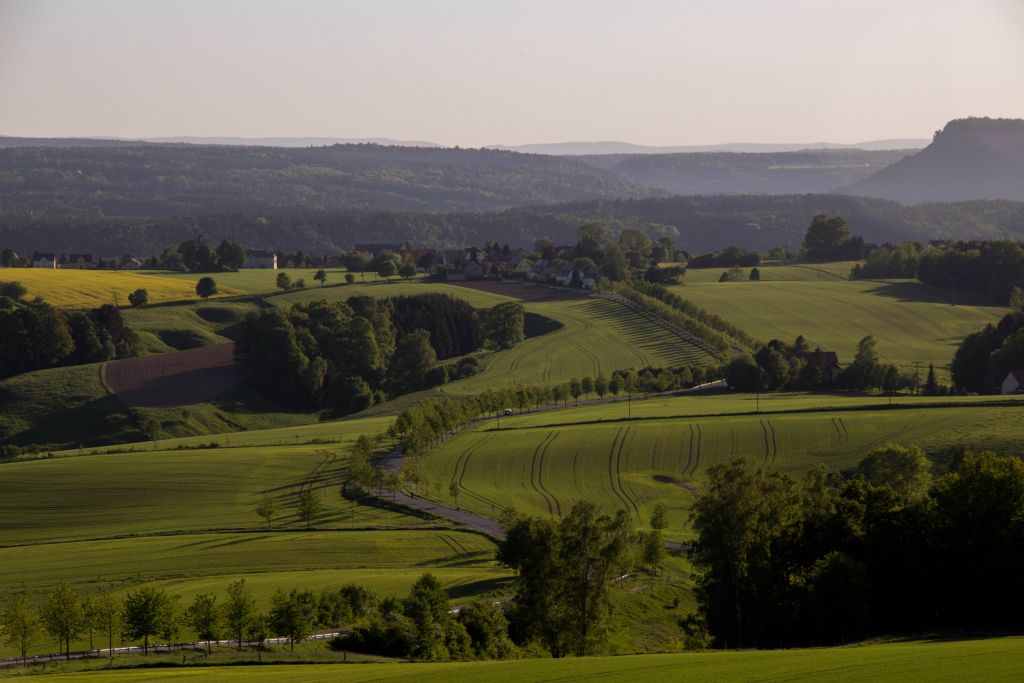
(40, 260)
(1014, 383)
(260, 258)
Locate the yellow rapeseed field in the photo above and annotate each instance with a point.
(92, 288)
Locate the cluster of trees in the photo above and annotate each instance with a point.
(726, 258)
(777, 365)
(880, 549)
(829, 239)
(633, 254)
(35, 335)
(346, 356)
(196, 256)
(562, 597)
(984, 358)
(993, 268)
(421, 626)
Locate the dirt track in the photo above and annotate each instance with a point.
(174, 379)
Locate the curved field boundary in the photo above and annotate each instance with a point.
(168, 380)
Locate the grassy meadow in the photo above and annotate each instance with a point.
(70, 288)
(993, 660)
(912, 322)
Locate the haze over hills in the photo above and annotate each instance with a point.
(616, 147)
(810, 171)
(975, 158)
(10, 141)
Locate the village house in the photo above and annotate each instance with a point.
(40, 260)
(470, 270)
(260, 259)
(1013, 383)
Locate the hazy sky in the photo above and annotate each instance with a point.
(475, 72)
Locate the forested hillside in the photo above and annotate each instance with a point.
(977, 158)
(178, 180)
(807, 171)
(703, 224)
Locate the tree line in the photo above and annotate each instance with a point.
(346, 356)
(991, 268)
(880, 549)
(776, 366)
(710, 223)
(984, 358)
(35, 335)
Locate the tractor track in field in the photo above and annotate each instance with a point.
(540, 475)
(327, 458)
(536, 480)
(696, 461)
(688, 443)
(593, 359)
(771, 448)
(460, 473)
(615, 471)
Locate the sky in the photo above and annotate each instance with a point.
(483, 72)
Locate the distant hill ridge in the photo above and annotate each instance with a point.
(142, 179)
(617, 147)
(974, 158)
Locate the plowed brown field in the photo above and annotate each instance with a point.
(173, 379)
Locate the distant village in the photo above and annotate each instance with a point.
(550, 264)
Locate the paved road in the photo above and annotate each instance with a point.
(392, 462)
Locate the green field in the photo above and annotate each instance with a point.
(597, 337)
(992, 660)
(256, 280)
(381, 288)
(542, 463)
(179, 559)
(188, 564)
(105, 496)
(62, 406)
(913, 323)
(827, 272)
(186, 325)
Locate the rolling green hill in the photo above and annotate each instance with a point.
(912, 322)
(542, 463)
